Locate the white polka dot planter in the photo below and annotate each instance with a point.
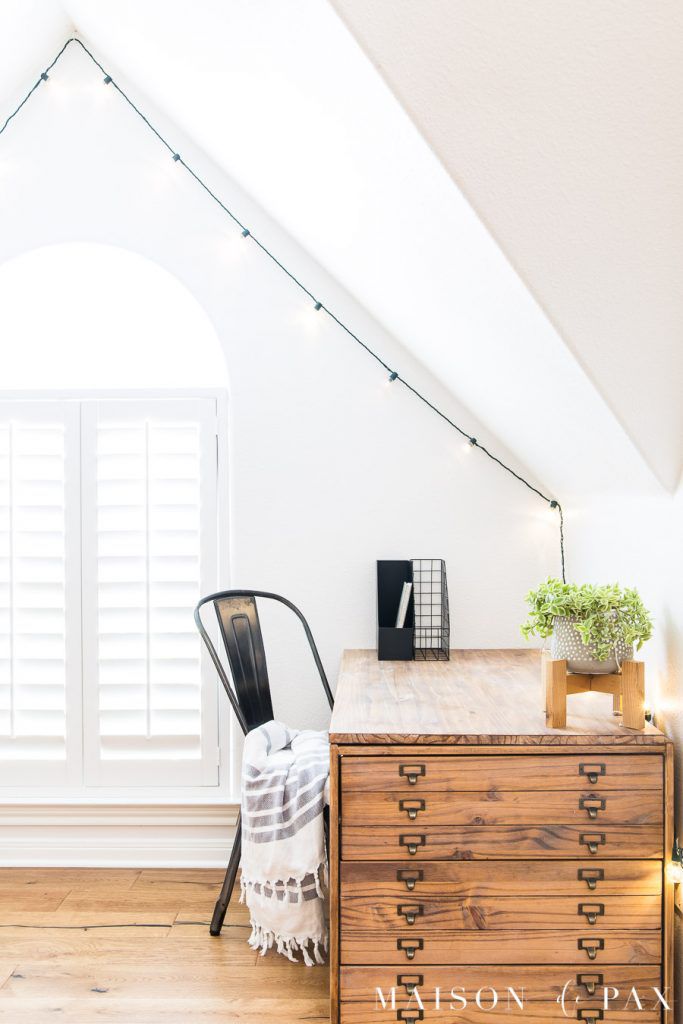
(566, 645)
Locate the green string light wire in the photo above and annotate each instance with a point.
(318, 305)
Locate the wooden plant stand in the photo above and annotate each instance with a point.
(627, 689)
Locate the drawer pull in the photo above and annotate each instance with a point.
(410, 1016)
(411, 807)
(590, 982)
(592, 771)
(411, 878)
(411, 981)
(592, 840)
(412, 772)
(409, 946)
(591, 946)
(412, 843)
(592, 804)
(411, 911)
(591, 911)
(591, 876)
(590, 1016)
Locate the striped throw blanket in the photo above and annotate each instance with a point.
(285, 786)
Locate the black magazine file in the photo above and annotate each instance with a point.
(394, 644)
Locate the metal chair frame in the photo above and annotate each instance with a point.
(249, 689)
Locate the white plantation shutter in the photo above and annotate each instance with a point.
(149, 553)
(40, 720)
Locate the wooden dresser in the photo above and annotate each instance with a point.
(473, 848)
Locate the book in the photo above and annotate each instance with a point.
(403, 605)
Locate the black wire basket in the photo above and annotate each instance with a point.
(432, 633)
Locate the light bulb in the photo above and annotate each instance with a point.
(674, 871)
(546, 515)
(308, 317)
(230, 248)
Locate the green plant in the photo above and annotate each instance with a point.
(603, 616)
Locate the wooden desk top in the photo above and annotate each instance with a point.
(478, 697)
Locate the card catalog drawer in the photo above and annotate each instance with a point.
(502, 878)
(480, 913)
(469, 773)
(548, 946)
(385, 995)
(505, 807)
(488, 842)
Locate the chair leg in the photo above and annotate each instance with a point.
(326, 827)
(221, 907)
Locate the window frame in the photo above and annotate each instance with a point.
(73, 788)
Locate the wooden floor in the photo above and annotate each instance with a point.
(81, 946)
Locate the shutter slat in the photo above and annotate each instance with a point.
(33, 551)
(152, 467)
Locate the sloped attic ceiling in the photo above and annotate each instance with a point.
(561, 122)
(280, 95)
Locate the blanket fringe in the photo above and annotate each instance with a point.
(263, 939)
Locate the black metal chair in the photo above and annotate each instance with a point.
(249, 691)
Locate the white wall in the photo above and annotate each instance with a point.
(640, 543)
(330, 467)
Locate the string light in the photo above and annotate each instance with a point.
(393, 375)
(318, 306)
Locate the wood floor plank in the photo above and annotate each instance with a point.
(144, 945)
(38, 897)
(197, 904)
(179, 876)
(206, 890)
(69, 878)
(208, 1010)
(55, 962)
(55, 942)
(35, 979)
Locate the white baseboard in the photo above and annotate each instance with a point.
(117, 836)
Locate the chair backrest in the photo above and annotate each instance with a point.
(248, 686)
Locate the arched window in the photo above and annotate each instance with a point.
(111, 418)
